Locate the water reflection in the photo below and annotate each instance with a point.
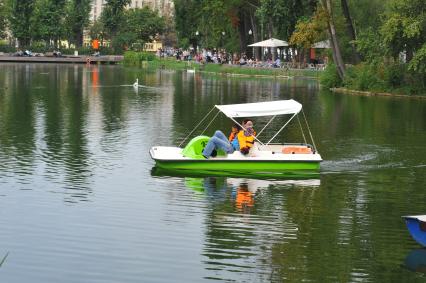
(246, 219)
(73, 134)
(416, 261)
(60, 123)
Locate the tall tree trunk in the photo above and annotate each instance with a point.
(242, 28)
(256, 53)
(337, 55)
(79, 41)
(351, 31)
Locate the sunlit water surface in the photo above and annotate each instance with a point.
(80, 200)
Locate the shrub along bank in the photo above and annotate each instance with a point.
(380, 77)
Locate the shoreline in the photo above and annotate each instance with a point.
(342, 90)
(82, 59)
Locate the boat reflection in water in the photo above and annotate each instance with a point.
(416, 261)
(241, 191)
(246, 220)
(289, 176)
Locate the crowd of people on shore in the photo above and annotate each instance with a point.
(223, 57)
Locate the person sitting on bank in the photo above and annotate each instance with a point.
(246, 137)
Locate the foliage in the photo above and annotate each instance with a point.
(136, 58)
(405, 27)
(186, 21)
(391, 77)
(19, 19)
(3, 19)
(363, 77)
(418, 63)
(6, 48)
(283, 15)
(127, 28)
(369, 44)
(367, 13)
(77, 19)
(404, 31)
(113, 15)
(47, 20)
(143, 23)
(310, 31)
(219, 23)
(330, 78)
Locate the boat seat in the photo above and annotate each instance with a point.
(296, 149)
(194, 149)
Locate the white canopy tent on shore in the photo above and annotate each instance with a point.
(270, 43)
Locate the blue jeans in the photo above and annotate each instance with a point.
(218, 141)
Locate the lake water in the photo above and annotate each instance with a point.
(80, 200)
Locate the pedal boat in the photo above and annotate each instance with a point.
(264, 157)
(416, 225)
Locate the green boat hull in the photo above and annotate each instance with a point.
(282, 175)
(241, 167)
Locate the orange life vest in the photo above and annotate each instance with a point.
(232, 136)
(245, 141)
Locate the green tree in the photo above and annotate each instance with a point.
(113, 19)
(3, 19)
(279, 17)
(47, 22)
(404, 30)
(113, 15)
(19, 18)
(144, 23)
(77, 20)
(187, 22)
(139, 26)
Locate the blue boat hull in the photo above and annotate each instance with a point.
(417, 230)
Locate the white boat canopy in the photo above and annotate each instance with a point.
(269, 108)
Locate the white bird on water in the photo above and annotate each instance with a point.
(136, 83)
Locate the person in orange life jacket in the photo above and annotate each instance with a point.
(246, 137)
(233, 137)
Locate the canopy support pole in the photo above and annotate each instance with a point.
(301, 129)
(281, 128)
(266, 125)
(196, 126)
(309, 130)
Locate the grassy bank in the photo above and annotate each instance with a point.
(225, 69)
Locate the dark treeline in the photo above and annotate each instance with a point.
(49, 23)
